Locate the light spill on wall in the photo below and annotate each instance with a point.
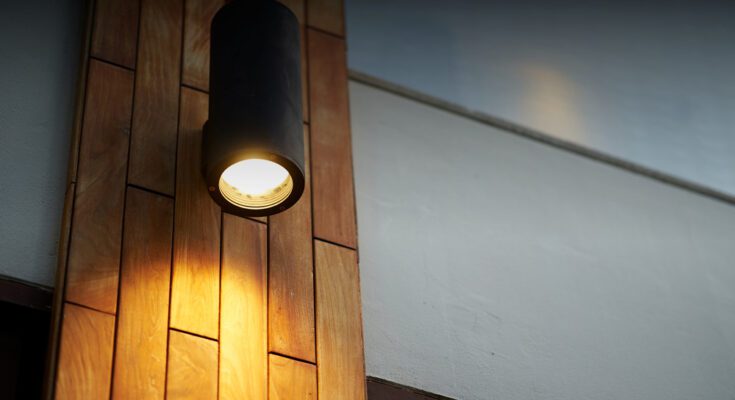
(648, 82)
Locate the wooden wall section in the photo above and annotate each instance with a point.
(161, 295)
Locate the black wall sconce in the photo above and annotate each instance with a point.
(253, 146)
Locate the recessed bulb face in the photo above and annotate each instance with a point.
(255, 184)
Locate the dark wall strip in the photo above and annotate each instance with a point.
(25, 294)
(381, 389)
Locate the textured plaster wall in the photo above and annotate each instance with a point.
(494, 267)
(39, 51)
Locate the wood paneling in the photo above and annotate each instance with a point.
(304, 78)
(291, 278)
(142, 327)
(192, 367)
(198, 19)
(195, 285)
(115, 31)
(94, 257)
(339, 323)
(243, 340)
(298, 7)
(331, 164)
(85, 358)
(52, 354)
(327, 15)
(210, 305)
(290, 379)
(156, 111)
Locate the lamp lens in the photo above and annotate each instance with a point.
(255, 184)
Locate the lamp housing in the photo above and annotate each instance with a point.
(253, 143)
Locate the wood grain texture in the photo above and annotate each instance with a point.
(54, 341)
(142, 326)
(243, 337)
(115, 31)
(94, 257)
(85, 357)
(290, 379)
(156, 110)
(197, 23)
(275, 290)
(291, 278)
(304, 78)
(192, 367)
(331, 148)
(79, 97)
(298, 7)
(195, 285)
(339, 323)
(327, 15)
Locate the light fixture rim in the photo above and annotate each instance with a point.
(214, 172)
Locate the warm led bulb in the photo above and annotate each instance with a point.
(255, 184)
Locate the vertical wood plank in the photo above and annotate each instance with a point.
(115, 31)
(199, 14)
(85, 357)
(327, 15)
(298, 7)
(304, 77)
(291, 278)
(94, 257)
(243, 340)
(142, 327)
(156, 111)
(195, 285)
(192, 367)
(331, 148)
(341, 372)
(290, 379)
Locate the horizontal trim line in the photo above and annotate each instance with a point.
(334, 243)
(193, 334)
(151, 191)
(247, 218)
(255, 220)
(320, 30)
(537, 136)
(114, 64)
(87, 307)
(184, 85)
(291, 358)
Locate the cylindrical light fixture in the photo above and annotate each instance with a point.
(253, 146)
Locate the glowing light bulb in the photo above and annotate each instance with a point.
(255, 183)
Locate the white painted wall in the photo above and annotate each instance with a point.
(39, 53)
(494, 267)
(647, 81)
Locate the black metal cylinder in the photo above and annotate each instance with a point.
(254, 97)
